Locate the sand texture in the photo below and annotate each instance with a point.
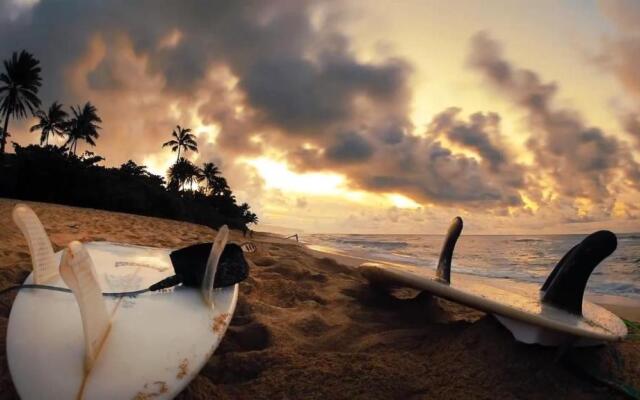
(308, 327)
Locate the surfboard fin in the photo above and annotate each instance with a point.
(78, 272)
(443, 273)
(564, 288)
(212, 264)
(42, 257)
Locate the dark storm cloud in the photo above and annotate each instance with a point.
(582, 159)
(302, 96)
(350, 147)
(424, 169)
(475, 135)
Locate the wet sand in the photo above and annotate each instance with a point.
(308, 326)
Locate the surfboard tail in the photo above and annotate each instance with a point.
(212, 264)
(564, 288)
(78, 272)
(40, 249)
(443, 272)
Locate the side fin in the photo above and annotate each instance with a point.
(212, 264)
(565, 286)
(443, 273)
(42, 257)
(77, 271)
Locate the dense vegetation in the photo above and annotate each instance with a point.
(57, 174)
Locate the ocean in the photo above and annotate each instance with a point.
(521, 258)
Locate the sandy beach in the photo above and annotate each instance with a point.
(308, 326)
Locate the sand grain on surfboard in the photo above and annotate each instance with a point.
(183, 369)
(219, 323)
(159, 387)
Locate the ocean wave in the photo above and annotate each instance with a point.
(528, 240)
(386, 245)
(630, 237)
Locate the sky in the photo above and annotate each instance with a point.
(364, 117)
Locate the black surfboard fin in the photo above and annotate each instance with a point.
(564, 288)
(190, 264)
(443, 273)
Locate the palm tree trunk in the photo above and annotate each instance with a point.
(4, 134)
(178, 154)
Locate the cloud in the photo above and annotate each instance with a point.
(350, 147)
(582, 160)
(479, 135)
(631, 124)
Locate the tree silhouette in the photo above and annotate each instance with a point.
(19, 84)
(83, 126)
(216, 184)
(183, 173)
(133, 169)
(182, 139)
(247, 216)
(52, 122)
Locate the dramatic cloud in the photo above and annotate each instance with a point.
(582, 160)
(480, 134)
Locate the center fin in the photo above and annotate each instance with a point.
(443, 273)
(77, 271)
(565, 286)
(212, 264)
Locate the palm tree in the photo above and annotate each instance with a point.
(19, 85)
(215, 183)
(53, 122)
(83, 126)
(247, 216)
(133, 169)
(182, 139)
(184, 172)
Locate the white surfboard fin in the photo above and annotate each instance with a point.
(42, 258)
(212, 264)
(78, 272)
(443, 272)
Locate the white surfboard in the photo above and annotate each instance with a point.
(522, 309)
(150, 346)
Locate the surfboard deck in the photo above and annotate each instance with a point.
(521, 305)
(157, 344)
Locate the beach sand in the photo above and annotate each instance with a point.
(307, 326)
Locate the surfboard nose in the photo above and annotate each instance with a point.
(564, 288)
(443, 273)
